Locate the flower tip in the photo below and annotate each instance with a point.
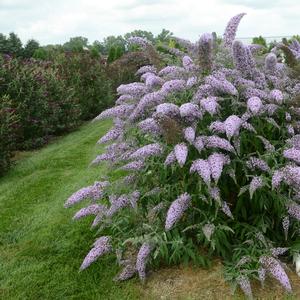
(82, 267)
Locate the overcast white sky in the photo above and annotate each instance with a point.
(55, 21)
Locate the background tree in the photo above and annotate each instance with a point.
(259, 41)
(111, 54)
(3, 43)
(76, 44)
(30, 47)
(141, 33)
(164, 36)
(40, 53)
(14, 44)
(98, 46)
(115, 41)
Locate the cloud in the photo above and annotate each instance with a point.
(57, 20)
(256, 4)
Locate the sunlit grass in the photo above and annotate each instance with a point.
(41, 248)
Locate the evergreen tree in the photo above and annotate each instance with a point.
(3, 43)
(111, 54)
(30, 48)
(14, 45)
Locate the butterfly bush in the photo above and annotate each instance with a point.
(204, 154)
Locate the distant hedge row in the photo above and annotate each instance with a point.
(41, 99)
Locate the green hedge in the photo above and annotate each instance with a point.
(8, 130)
(48, 98)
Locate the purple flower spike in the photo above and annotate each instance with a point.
(217, 126)
(216, 162)
(190, 110)
(191, 81)
(169, 109)
(144, 43)
(153, 80)
(128, 272)
(285, 226)
(294, 210)
(257, 163)
(124, 98)
(103, 157)
(148, 101)
(204, 51)
(93, 209)
(171, 158)
(189, 134)
(254, 105)
(292, 154)
(142, 258)
(187, 62)
(181, 152)
(261, 275)
(93, 191)
(202, 167)
(171, 71)
(111, 135)
(244, 283)
(119, 111)
(270, 63)
(118, 204)
(273, 266)
(255, 184)
(241, 59)
(134, 166)
(215, 141)
(276, 96)
(147, 151)
(210, 105)
(176, 210)
(221, 86)
(279, 251)
(292, 176)
(101, 247)
(248, 127)
(215, 194)
(149, 126)
(231, 29)
(226, 210)
(208, 230)
(146, 69)
(232, 126)
(172, 86)
(268, 146)
(199, 143)
(136, 89)
(277, 179)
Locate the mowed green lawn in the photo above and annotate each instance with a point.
(41, 248)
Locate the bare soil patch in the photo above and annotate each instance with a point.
(187, 283)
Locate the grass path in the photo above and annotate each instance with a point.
(41, 248)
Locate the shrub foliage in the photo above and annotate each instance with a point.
(208, 153)
(8, 132)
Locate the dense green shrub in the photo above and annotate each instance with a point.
(123, 70)
(44, 104)
(87, 77)
(8, 130)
